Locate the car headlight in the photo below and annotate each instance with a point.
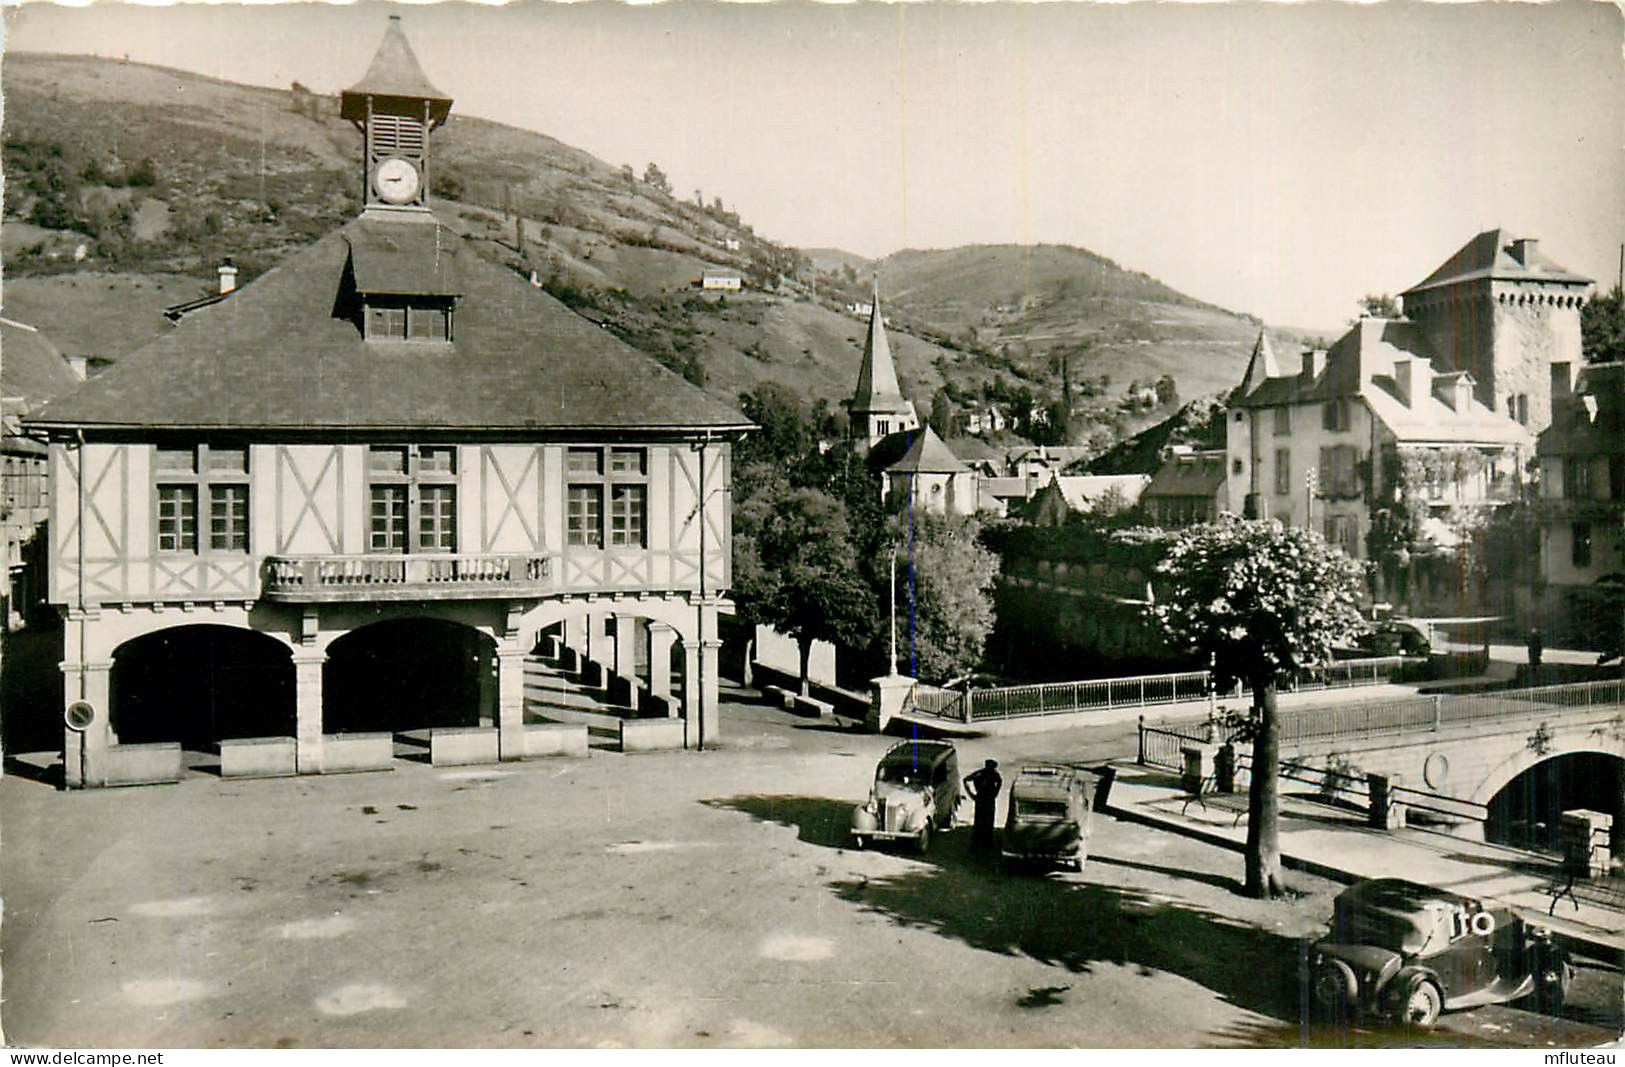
(871, 805)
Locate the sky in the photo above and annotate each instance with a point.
(1277, 159)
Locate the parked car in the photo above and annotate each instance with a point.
(1048, 818)
(915, 794)
(1407, 952)
(1394, 639)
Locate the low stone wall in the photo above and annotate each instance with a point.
(619, 689)
(454, 746)
(814, 708)
(143, 764)
(652, 735)
(555, 739)
(656, 707)
(258, 757)
(342, 753)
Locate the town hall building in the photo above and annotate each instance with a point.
(365, 492)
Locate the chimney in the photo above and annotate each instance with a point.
(228, 277)
(1562, 381)
(1523, 250)
(1403, 383)
(1314, 361)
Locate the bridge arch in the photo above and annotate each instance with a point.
(1526, 794)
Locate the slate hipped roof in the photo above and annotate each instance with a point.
(878, 390)
(1492, 255)
(928, 455)
(395, 77)
(32, 369)
(286, 353)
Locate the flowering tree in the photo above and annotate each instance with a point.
(1259, 600)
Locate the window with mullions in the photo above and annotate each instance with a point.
(618, 475)
(390, 319)
(412, 498)
(211, 476)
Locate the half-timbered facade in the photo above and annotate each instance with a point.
(367, 490)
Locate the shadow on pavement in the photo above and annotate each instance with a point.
(44, 768)
(1060, 921)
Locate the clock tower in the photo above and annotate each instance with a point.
(396, 109)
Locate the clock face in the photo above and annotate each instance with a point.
(396, 180)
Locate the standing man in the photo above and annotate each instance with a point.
(983, 787)
(1535, 649)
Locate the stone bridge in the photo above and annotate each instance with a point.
(1509, 758)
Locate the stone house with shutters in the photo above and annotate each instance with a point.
(1437, 409)
(364, 496)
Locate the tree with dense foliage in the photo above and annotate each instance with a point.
(796, 570)
(945, 600)
(1602, 328)
(653, 175)
(1379, 306)
(1258, 600)
(942, 414)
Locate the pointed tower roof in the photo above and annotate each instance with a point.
(929, 454)
(395, 77)
(1262, 366)
(878, 390)
(1494, 256)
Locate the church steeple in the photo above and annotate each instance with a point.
(396, 108)
(878, 407)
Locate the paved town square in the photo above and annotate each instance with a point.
(716, 902)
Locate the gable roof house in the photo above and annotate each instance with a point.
(382, 479)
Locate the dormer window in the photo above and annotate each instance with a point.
(407, 318)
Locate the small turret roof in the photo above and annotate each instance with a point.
(395, 76)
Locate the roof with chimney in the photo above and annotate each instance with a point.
(1591, 419)
(286, 352)
(1362, 365)
(878, 391)
(395, 76)
(1494, 256)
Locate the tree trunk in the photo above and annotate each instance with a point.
(1264, 798)
(804, 646)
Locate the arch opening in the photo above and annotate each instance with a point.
(409, 674)
(199, 685)
(1527, 811)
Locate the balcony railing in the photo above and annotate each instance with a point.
(406, 577)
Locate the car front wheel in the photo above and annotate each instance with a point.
(1422, 1005)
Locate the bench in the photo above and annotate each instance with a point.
(143, 764)
(652, 735)
(454, 746)
(258, 757)
(344, 753)
(813, 707)
(779, 695)
(555, 739)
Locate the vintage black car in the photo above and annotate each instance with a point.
(915, 794)
(1407, 952)
(1048, 817)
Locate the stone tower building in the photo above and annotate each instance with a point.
(1503, 311)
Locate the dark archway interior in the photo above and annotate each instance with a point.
(407, 674)
(201, 684)
(1527, 811)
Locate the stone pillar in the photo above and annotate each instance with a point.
(661, 637)
(1198, 764)
(1224, 769)
(711, 697)
(886, 696)
(1383, 812)
(595, 650)
(691, 691)
(307, 703)
(84, 753)
(485, 668)
(625, 648)
(510, 703)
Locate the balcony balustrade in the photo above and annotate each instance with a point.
(310, 579)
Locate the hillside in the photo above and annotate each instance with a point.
(127, 184)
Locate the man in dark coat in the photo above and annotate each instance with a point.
(983, 787)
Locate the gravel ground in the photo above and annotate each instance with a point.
(656, 900)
